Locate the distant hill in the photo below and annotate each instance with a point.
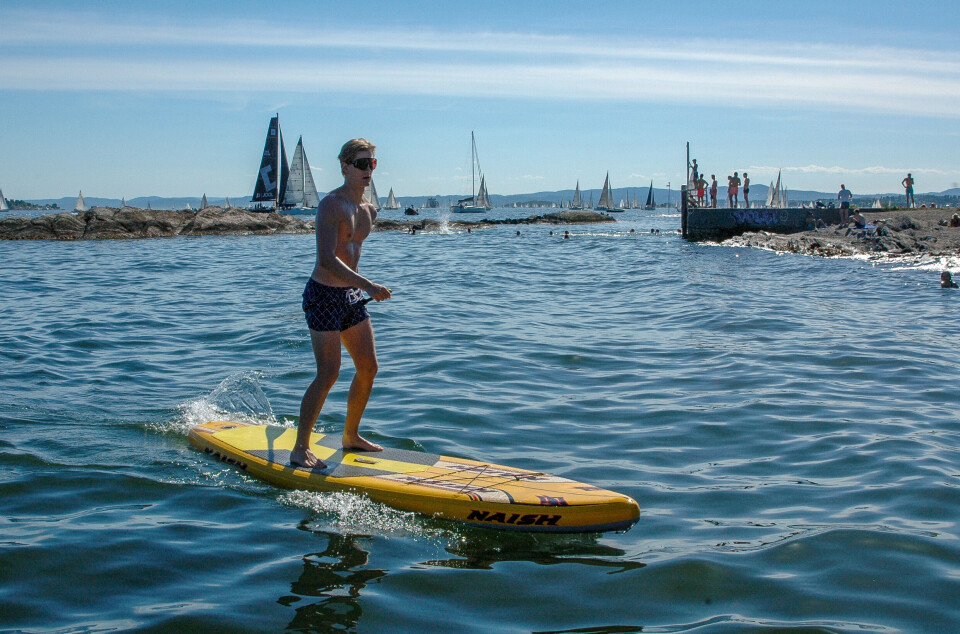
(155, 202)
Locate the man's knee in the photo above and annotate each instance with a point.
(326, 377)
(367, 369)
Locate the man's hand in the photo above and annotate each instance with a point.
(378, 292)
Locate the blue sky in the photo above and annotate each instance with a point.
(173, 98)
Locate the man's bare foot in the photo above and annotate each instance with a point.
(303, 457)
(360, 444)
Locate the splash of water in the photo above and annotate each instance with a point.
(238, 397)
(350, 513)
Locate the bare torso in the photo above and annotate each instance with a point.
(342, 226)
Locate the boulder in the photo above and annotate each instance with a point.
(235, 221)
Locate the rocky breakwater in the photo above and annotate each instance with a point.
(900, 232)
(130, 222)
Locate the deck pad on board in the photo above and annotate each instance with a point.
(453, 488)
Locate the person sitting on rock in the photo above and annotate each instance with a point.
(955, 221)
(858, 220)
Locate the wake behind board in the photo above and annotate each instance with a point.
(456, 489)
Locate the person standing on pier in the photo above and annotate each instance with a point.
(733, 190)
(845, 196)
(713, 191)
(746, 191)
(332, 303)
(908, 186)
(701, 191)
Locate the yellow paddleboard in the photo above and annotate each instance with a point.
(456, 489)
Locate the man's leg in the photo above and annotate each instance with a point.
(326, 351)
(358, 340)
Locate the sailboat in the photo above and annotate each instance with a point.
(3, 202)
(606, 197)
(273, 175)
(577, 200)
(777, 194)
(479, 200)
(370, 193)
(123, 202)
(203, 201)
(81, 203)
(651, 203)
(226, 203)
(301, 190)
(392, 201)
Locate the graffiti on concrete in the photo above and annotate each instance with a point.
(761, 217)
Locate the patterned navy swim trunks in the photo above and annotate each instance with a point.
(332, 308)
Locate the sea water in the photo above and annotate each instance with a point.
(788, 425)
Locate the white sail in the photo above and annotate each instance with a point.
(479, 200)
(3, 202)
(370, 193)
(774, 197)
(81, 203)
(123, 202)
(577, 200)
(226, 204)
(301, 190)
(392, 201)
(203, 201)
(606, 201)
(483, 199)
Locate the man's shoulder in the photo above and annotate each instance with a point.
(332, 203)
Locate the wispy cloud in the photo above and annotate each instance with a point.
(855, 171)
(246, 56)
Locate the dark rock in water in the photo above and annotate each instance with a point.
(234, 221)
(130, 222)
(105, 223)
(63, 226)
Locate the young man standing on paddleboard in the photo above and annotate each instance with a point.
(331, 302)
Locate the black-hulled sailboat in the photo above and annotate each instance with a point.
(651, 203)
(274, 171)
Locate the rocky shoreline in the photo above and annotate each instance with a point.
(102, 223)
(899, 232)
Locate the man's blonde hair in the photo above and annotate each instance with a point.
(353, 147)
